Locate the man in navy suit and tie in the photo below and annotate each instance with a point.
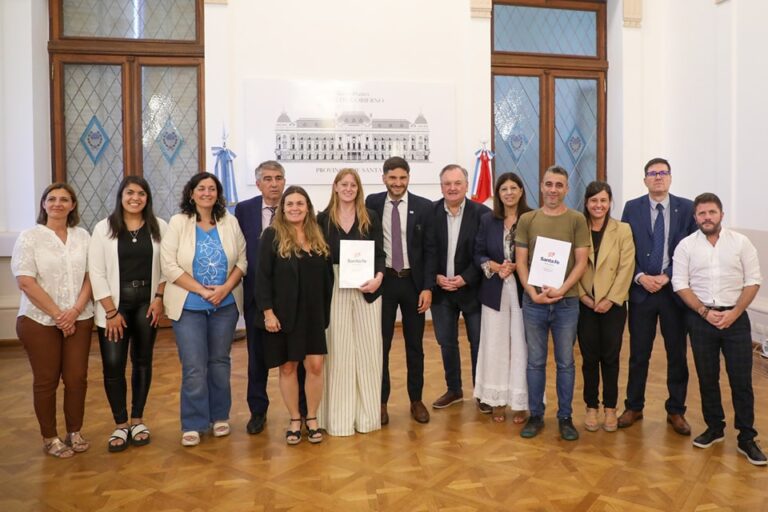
(409, 277)
(457, 221)
(254, 216)
(659, 222)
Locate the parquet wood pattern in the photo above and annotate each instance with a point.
(460, 461)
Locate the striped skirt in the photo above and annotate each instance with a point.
(352, 375)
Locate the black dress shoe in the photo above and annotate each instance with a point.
(708, 438)
(256, 423)
(752, 452)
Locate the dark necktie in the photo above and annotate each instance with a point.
(397, 240)
(657, 253)
(271, 213)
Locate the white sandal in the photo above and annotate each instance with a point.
(120, 434)
(190, 438)
(220, 429)
(137, 430)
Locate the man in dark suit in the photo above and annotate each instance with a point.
(409, 277)
(659, 221)
(254, 216)
(458, 278)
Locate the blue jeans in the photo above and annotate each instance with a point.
(204, 339)
(562, 319)
(445, 320)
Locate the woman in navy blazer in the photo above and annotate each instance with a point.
(502, 357)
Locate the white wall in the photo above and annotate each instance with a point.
(25, 154)
(397, 40)
(687, 85)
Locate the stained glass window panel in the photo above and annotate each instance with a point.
(516, 130)
(576, 134)
(544, 30)
(169, 133)
(130, 19)
(93, 128)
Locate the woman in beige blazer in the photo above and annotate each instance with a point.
(203, 260)
(603, 292)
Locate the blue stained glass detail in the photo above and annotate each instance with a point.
(516, 130)
(170, 141)
(576, 134)
(575, 144)
(544, 30)
(94, 140)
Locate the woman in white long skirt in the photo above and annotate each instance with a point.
(502, 358)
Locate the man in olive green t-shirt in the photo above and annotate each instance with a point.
(548, 309)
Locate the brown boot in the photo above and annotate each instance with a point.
(590, 420)
(611, 422)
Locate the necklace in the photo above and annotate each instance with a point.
(135, 234)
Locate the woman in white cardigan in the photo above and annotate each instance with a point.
(203, 258)
(124, 264)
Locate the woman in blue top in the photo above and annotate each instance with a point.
(203, 259)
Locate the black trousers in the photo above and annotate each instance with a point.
(139, 338)
(401, 292)
(643, 316)
(735, 342)
(258, 373)
(600, 337)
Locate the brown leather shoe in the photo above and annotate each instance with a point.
(449, 398)
(419, 412)
(679, 424)
(384, 415)
(629, 417)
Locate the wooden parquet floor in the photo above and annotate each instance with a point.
(460, 461)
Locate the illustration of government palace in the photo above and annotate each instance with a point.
(351, 137)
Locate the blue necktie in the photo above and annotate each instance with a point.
(656, 260)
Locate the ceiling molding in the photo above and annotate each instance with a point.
(633, 13)
(481, 8)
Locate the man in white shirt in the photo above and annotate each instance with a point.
(716, 272)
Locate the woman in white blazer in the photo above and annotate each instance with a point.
(203, 258)
(124, 262)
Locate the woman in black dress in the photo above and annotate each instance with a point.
(293, 290)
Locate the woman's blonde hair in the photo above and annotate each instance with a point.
(285, 234)
(363, 220)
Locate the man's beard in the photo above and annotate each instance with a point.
(710, 229)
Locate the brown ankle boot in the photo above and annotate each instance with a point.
(611, 422)
(590, 421)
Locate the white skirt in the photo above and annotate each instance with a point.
(503, 354)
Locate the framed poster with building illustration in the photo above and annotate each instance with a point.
(316, 128)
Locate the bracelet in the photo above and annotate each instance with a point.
(113, 316)
(111, 310)
(158, 295)
(706, 311)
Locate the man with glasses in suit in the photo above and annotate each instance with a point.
(659, 220)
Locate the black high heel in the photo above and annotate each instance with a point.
(314, 435)
(293, 437)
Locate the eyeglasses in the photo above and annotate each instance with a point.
(657, 174)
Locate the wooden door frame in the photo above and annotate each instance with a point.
(133, 149)
(548, 67)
